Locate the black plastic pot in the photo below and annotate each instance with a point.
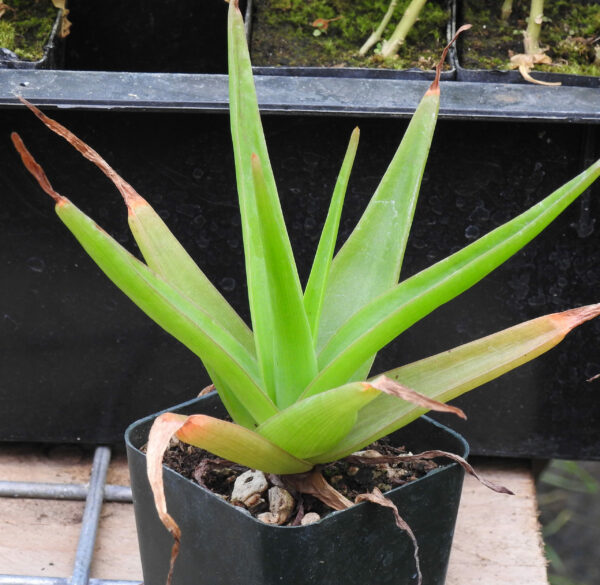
(53, 57)
(509, 75)
(357, 73)
(221, 545)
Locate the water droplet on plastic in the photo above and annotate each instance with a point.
(188, 209)
(197, 173)
(538, 300)
(472, 232)
(36, 264)
(480, 213)
(202, 241)
(199, 221)
(309, 224)
(227, 284)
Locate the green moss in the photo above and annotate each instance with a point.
(282, 33)
(570, 32)
(26, 26)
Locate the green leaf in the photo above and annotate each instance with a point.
(293, 351)
(234, 406)
(393, 312)
(238, 444)
(161, 250)
(248, 139)
(447, 375)
(369, 262)
(225, 439)
(315, 288)
(166, 256)
(314, 425)
(172, 311)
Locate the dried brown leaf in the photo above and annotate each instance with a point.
(65, 23)
(129, 194)
(35, 169)
(210, 388)
(389, 386)
(163, 428)
(4, 8)
(376, 497)
(435, 86)
(432, 455)
(313, 483)
(525, 63)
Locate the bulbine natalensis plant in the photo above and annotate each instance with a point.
(298, 385)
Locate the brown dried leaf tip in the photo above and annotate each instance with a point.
(36, 170)
(130, 196)
(435, 86)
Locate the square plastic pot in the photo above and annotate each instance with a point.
(510, 76)
(52, 58)
(357, 73)
(222, 545)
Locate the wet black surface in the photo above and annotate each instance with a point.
(71, 343)
(177, 36)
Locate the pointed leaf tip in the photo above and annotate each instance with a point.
(36, 170)
(575, 317)
(130, 195)
(434, 88)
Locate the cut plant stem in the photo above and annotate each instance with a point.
(391, 46)
(534, 26)
(506, 10)
(376, 35)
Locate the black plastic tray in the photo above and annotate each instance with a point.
(91, 362)
(510, 76)
(353, 72)
(53, 57)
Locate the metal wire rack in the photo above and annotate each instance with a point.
(95, 494)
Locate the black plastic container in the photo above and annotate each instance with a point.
(508, 75)
(171, 36)
(221, 545)
(358, 73)
(75, 346)
(52, 58)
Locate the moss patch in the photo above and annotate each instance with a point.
(570, 31)
(282, 33)
(25, 27)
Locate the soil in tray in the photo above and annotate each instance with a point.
(283, 33)
(571, 32)
(25, 26)
(349, 477)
